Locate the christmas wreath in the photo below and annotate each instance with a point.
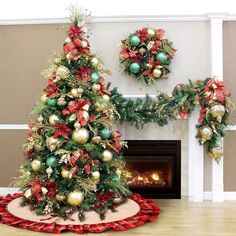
(146, 55)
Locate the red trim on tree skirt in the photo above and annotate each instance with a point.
(148, 212)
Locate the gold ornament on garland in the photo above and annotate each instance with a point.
(53, 119)
(43, 98)
(80, 135)
(205, 133)
(217, 111)
(49, 171)
(63, 72)
(156, 73)
(151, 32)
(60, 197)
(216, 152)
(36, 165)
(95, 175)
(75, 198)
(107, 155)
(94, 62)
(65, 173)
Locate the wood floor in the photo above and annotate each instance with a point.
(177, 218)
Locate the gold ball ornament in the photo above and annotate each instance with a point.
(80, 135)
(53, 119)
(49, 171)
(28, 193)
(156, 73)
(63, 72)
(118, 172)
(75, 198)
(107, 155)
(65, 173)
(94, 62)
(36, 165)
(106, 97)
(60, 197)
(151, 32)
(74, 92)
(95, 175)
(216, 152)
(217, 110)
(43, 98)
(205, 133)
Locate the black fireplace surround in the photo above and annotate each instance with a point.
(162, 156)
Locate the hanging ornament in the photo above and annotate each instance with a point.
(49, 171)
(94, 77)
(162, 57)
(65, 173)
(217, 111)
(134, 40)
(60, 197)
(63, 72)
(96, 87)
(44, 190)
(151, 32)
(80, 135)
(105, 133)
(75, 198)
(61, 101)
(52, 143)
(205, 133)
(106, 97)
(77, 125)
(95, 175)
(156, 73)
(51, 161)
(43, 98)
(28, 193)
(38, 147)
(134, 68)
(72, 117)
(96, 139)
(216, 152)
(118, 172)
(53, 119)
(51, 102)
(36, 165)
(107, 155)
(94, 62)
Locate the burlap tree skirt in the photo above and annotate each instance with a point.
(135, 212)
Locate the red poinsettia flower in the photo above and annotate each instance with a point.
(61, 130)
(51, 187)
(116, 138)
(103, 197)
(83, 73)
(51, 89)
(143, 34)
(75, 31)
(36, 189)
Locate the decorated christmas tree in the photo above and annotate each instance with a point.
(73, 151)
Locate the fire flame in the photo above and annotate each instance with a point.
(155, 176)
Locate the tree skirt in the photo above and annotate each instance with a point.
(135, 212)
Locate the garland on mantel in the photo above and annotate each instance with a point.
(210, 94)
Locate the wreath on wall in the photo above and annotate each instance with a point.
(146, 55)
(210, 94)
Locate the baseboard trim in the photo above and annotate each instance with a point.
(5, 190)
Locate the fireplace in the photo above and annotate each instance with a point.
(155, 167)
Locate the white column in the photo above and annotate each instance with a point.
(216, 22)
(196, 160)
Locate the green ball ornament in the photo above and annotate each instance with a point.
(51, 161)
(115, 178)
(105, 133)
(162, 57)
(134, 40)
(95, 77)
(134, 68)
(51, 102)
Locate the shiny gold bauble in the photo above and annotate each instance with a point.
(106, 97)
(75, 198)
(74, 92)
(217, 110)
(53, 119)
(65, 173)
(94, 62)
(216, 152)
(43, 98)
(107, 155)
(118, 200)
(156, 73)
(36, 165)
(118, 172)
(27, 193)
(38, 147)
(151, 32)
(80, 135)
(49, 171)
(205, 133)
(95, 175)
(60, 197)
(63, 72)
(44, 190)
